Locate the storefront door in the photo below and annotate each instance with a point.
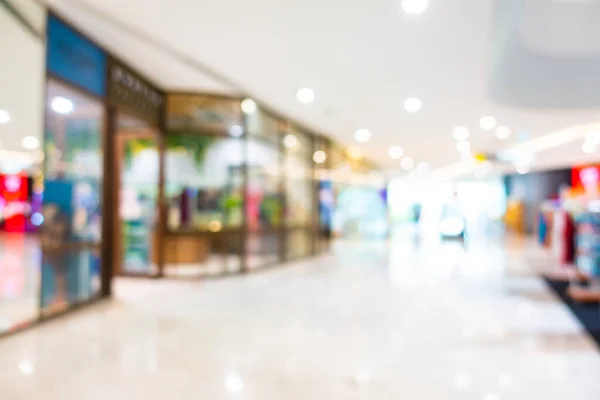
(137, 224)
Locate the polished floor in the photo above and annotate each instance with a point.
(409, 319)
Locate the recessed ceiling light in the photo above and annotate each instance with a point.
(488, 123)
(354, 152)
(249, 106)
(414, 6)
(522, 169)
(463, 146)
(460, 133)
(395, 152)
(61, 105)
(236, 130)
(412, 105)
(502, 133)
(233, 383)
(30, 142)
(407, 163)
(290, 141)
(4, 116)
(362, 135)
(305, 95)
(319, 157)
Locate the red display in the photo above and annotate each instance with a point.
(587, 176)
(14, 202)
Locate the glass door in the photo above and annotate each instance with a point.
(138, 176)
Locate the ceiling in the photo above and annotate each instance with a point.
(463, 58)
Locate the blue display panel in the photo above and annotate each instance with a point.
(75, 59)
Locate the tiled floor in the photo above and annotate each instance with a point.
(411, 319)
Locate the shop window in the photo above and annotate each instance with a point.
(72, 231)
(264, 208)
(298, 179)
(204, 180)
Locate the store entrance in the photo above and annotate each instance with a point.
(137, 176)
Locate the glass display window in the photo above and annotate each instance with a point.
(71, 234)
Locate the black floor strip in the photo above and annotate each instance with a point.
(588, 314)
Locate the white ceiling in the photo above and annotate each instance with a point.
(362, 58)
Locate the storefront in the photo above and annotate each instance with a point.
(118, 177)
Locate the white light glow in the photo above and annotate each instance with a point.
(488, 123)
(249, 106)
(4, 117)
(26, 368)
(62, 105)
(305, 95)
(233, 383)
(414, 6)
(407, 163)
(502, 133)
(395, 152)
(412, 105)
(290, 141)
(30, 142)
(522, 170)
(236, 131)
(319, 157)
(588, 147)
(463, 146)
(460, 133)
(362, 135)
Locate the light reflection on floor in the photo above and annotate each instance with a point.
(407, 319)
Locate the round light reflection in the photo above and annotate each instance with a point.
(319, 157)
(290, 141)
(412, 105)
(4, 117)
(502, 133)
(362, 135)
(30, 142)
(248, 106)
(414, 6)
(305, 95)
(460, 133)
(61, 105)
(395, 152)
(487, 123)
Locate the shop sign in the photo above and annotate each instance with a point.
(133, 93)
(202, 113)
(74, 58)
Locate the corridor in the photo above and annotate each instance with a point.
(407, 319)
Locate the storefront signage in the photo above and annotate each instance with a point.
(202, 113)
(75, 59)
(133, 93)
